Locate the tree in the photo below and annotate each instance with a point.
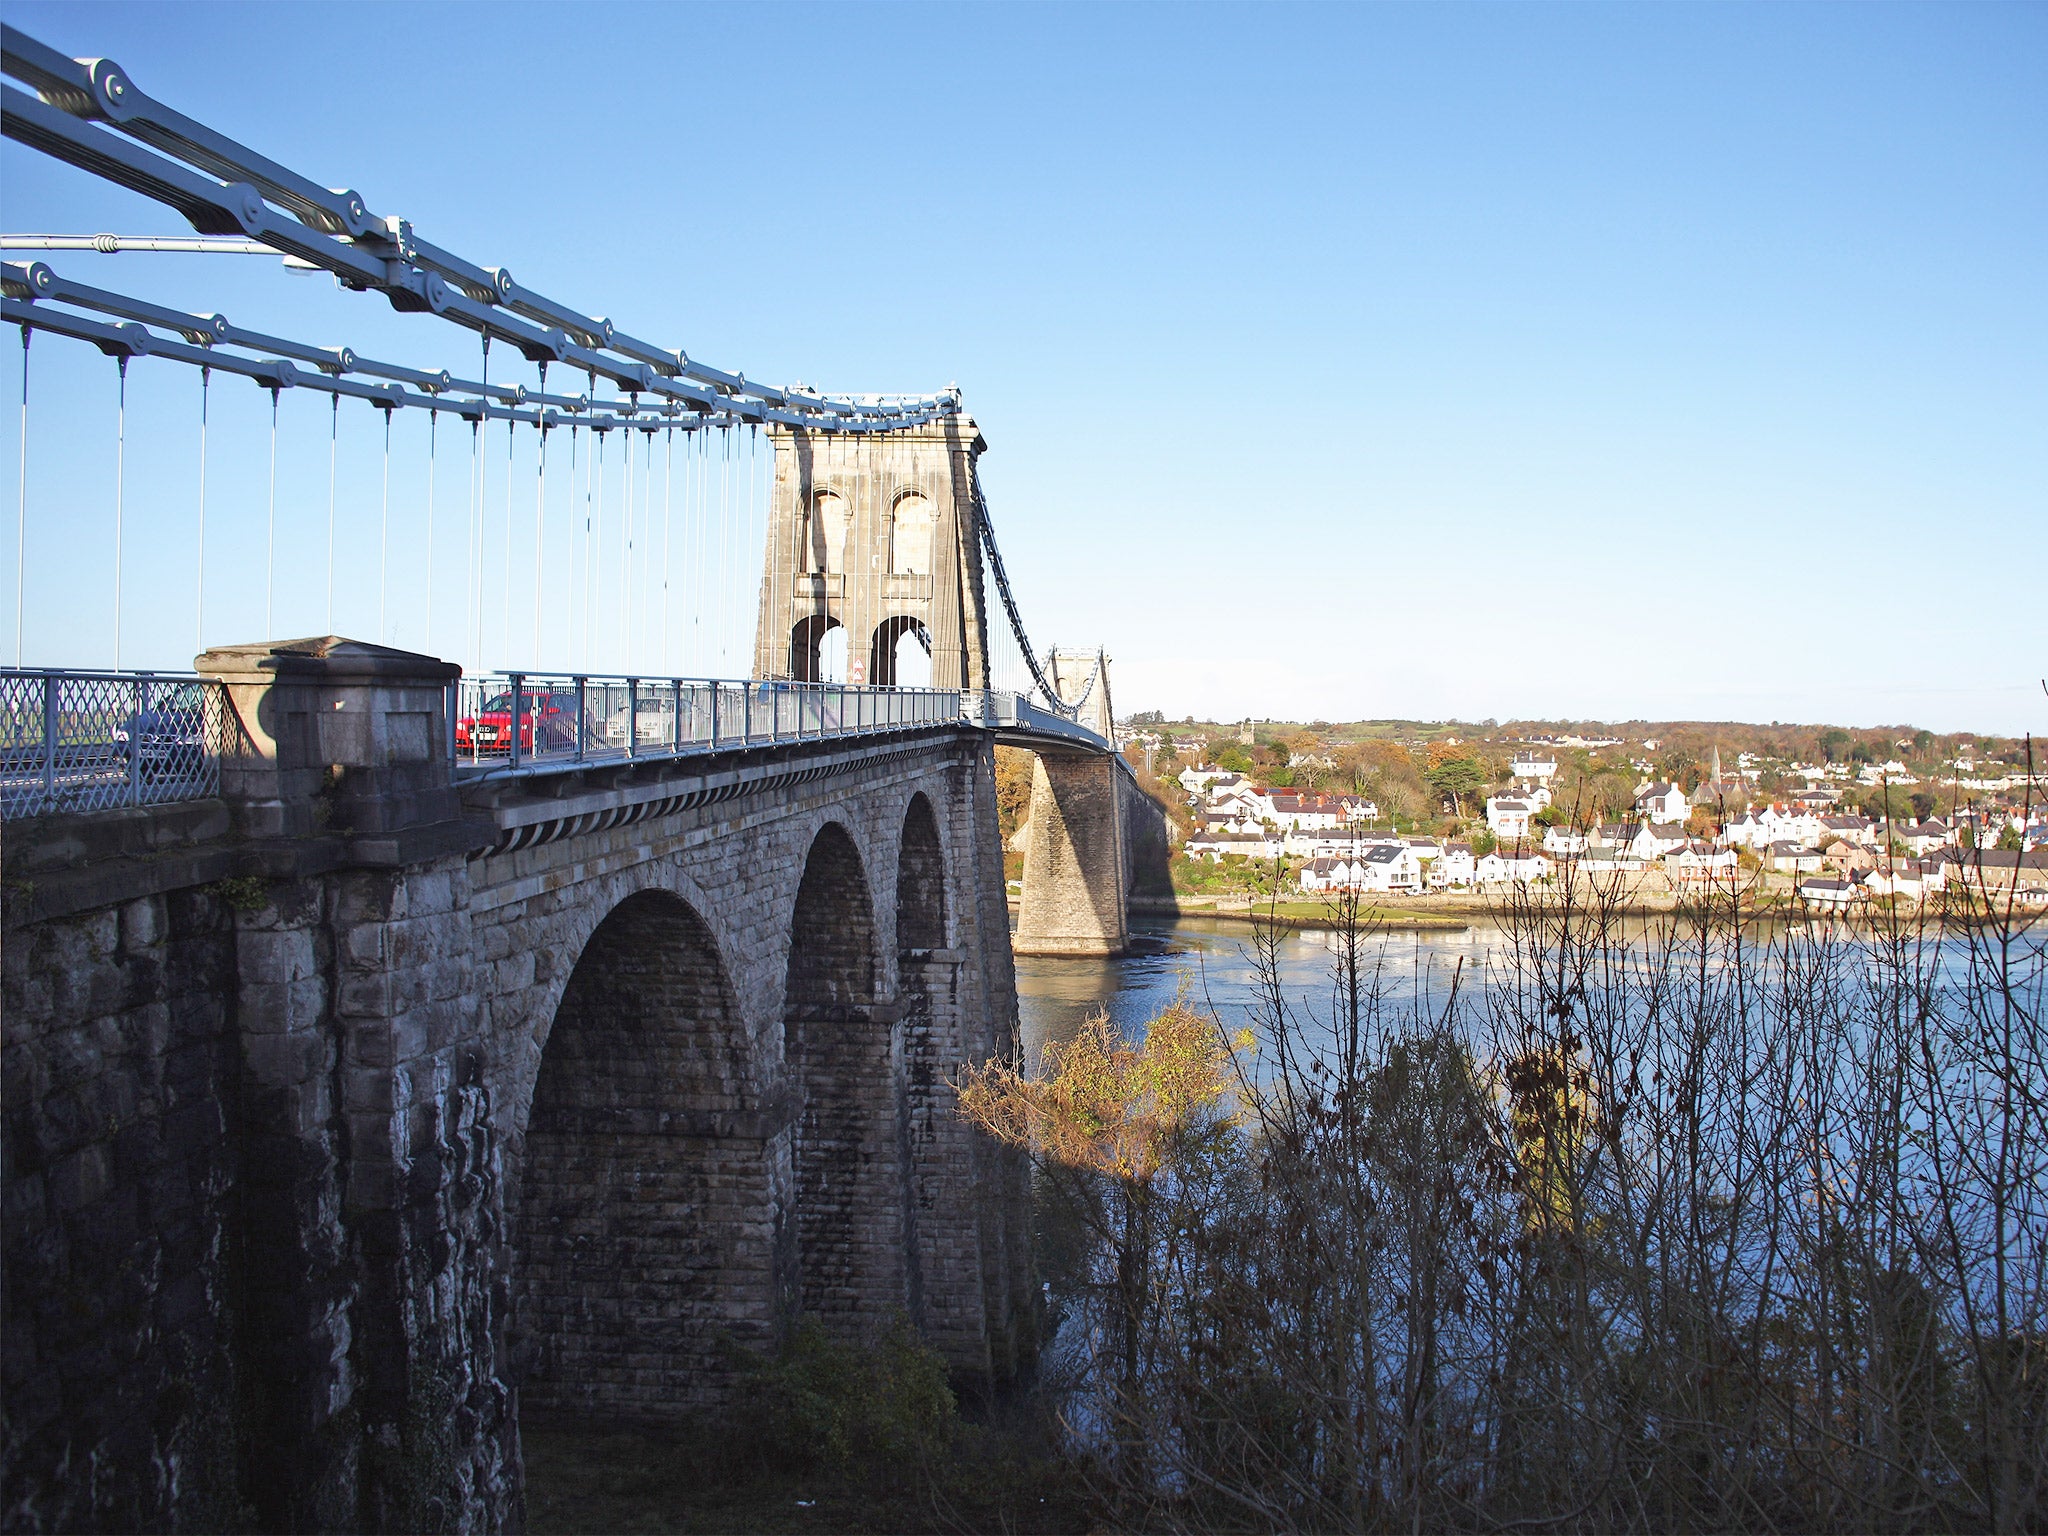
(1107, 1122)
(1456, 779)
(1013, 789)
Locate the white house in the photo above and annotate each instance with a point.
(1608, 859)
(1923, 837)
(1759, 828)
(1852, 829)
(1661, 802)
(1197, 781)
(1232, 816)
(1456, 866)
(1700, 863)
(1508, 817)
(1305, 813)
(1537, 766)
(1386, 868)
(1515, 866)
(1793, 859)
(1332, 874)
(1332, 845)
(1908, 878)
(1216, 845)
(1743, 831)
(1829, 894)
(1655, 839)
(1560, 840)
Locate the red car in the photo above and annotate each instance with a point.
(549, 716)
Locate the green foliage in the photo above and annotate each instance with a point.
(1234, 759)
(1456, 779)
(1232, 875)
(825, 1404)
(2010, 840)
(244, 893)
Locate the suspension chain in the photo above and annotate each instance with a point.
(995, 560)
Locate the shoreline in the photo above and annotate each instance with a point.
(1448, 915)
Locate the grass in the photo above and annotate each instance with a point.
(1318, 914)
(633, 1480)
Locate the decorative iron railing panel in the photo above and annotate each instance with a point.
(525, 721)
(96, 741)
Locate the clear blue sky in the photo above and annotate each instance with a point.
(1607, 362)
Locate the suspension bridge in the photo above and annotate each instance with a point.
(552, 965)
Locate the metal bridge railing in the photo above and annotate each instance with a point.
(516, 721)
(96, 741)
(73, 741)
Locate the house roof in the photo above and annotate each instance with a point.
(1656, 791)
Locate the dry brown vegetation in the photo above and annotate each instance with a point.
(1699, 1226)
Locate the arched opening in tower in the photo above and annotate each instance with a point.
(900, 656)
(911, 523)
(640, 1205)
(849, 1179)
(823, 535)
(817, 649)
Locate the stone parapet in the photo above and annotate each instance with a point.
(335, 736)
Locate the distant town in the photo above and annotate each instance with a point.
(1822, 816)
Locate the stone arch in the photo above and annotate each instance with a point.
(913, 523)
(827, 518)
(838, 1044)
(808, 662)
(920, 880)
(887, 662)
(644, 1182)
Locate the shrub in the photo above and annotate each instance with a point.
(878, 1407)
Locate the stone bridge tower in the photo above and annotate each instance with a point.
(873, 562)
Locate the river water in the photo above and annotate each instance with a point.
(1210, 960)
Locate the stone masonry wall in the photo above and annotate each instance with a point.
(120, 1278)
(272, 1164)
